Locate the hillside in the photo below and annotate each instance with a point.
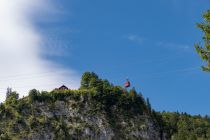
(98, 110)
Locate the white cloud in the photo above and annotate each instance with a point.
(22, 67)
(135, 38)
(173, 46)
(168, 45)
(56, 45)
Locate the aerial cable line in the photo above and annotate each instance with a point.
(157, 75)
(28, 76)
(163, 74)
(147, 75)
(161, 60)
(35, 86)
(179, 70)
(44, 73)
(20, 87)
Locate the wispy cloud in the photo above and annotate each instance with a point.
(135, 38)
(22, 66)
(169, 45)
(56, 45)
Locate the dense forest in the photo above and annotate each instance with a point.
(182, 126)
(124, 114)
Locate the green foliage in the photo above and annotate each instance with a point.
(39, 111)
(12, 98)
(184, 126)
(204, 52)
(97, 97)
(149, 107)
(90, 80)
(33, 94)
(133, 93)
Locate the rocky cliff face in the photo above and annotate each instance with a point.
(77, 115)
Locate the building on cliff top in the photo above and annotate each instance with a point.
(63, 87)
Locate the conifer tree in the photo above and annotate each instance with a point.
(204, 51)
(149, 107)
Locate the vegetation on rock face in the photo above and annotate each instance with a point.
(98, 110)
(204, 52)
(182, 126)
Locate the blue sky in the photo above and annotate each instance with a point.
(149, 41)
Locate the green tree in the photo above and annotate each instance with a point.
(33, 94)
(204, 51)
(133, 93)
(192, 136)
(118, 90)
(12, 98)
(89, 80)
(149, 107)
(181, 135)
(107, 87)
